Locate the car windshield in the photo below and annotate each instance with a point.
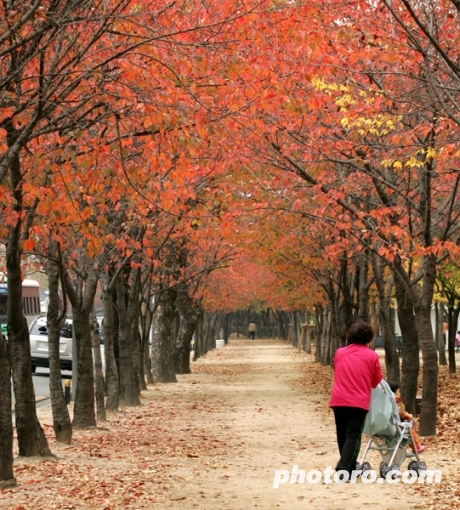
(40, 328)
(66, 330)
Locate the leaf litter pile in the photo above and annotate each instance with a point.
(136, 457)
(443, 451)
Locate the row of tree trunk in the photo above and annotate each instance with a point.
(147, 340)
(349, 301)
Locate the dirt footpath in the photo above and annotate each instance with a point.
(215, 440)
(281, 425)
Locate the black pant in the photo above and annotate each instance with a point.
(252, 335)
(349, 423)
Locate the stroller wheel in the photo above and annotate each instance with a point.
(394, 467)
(421, 467)
(366, 467)
(384, 469)
(412, 465)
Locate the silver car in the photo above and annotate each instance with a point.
(39, 344)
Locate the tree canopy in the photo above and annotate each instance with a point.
(271, 154)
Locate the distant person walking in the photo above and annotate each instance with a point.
(252, 328)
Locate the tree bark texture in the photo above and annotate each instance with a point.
(112, 381)
(55, 320)
(430, 361)
(452, 343)
(363, 287)
(318, 330)
(384, 294)
(211, 327)
(31, 438)
(163, 338)
(84, 412)
(199, 337)
(129, 394)
(6, 426)
(133, 312)
(98, 375)
(410, 366)
(344, 312)
(326, 337)
(146, 316)
(188, 317)
(442, 338)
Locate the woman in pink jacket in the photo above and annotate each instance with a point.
(356, 371)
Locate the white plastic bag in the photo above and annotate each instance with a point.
(379, 420)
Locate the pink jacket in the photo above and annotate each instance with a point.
(356, 371)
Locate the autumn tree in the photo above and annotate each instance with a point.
(42, 47)
(375, 135)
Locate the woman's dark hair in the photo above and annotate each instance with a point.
(394, 387)
(360, 333)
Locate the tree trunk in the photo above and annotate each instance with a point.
(146, 359)
(318, 329)
(133, 320)
(55, 319)
(326, 337)
(282, 330)
(146, 322)
(31, 438)
(138, 367)
(209, 319)
(337, 329)
(211, 331)
(81, 294)
(293, 326)
(98, 375)
(129, 394)
(204, 333)
(411, 351)
(343, 314)
(391, 356)
(384, 294)
(226, 328)
(84, 413)
(430, 362)
(6, 426)
(198, 337)
(112, 382)
(163, 338)
(188, 317)
(442, 338)
(374, 319)
(363, 288)
(453, 321)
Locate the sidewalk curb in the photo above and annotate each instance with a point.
(38, 400)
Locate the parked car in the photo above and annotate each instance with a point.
(39, 344)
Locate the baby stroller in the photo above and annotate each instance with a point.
(388, 434)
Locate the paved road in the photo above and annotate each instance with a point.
(41, 378)
(41, 381)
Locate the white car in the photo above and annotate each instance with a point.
(39, 344)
